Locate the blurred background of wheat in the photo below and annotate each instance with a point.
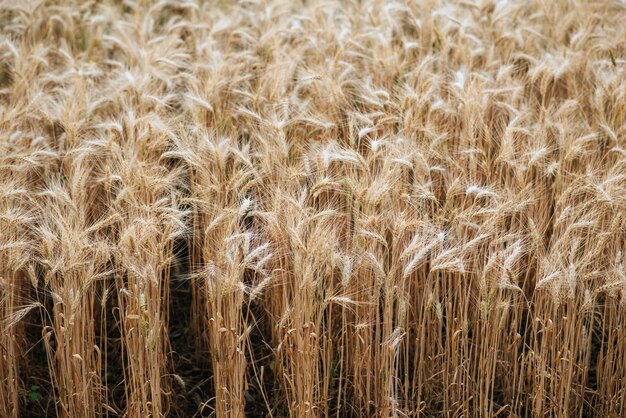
(312, 208)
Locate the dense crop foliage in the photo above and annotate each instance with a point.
(312, 208)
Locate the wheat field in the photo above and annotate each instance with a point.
(275, 208)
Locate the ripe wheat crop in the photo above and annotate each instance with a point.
(309, 208)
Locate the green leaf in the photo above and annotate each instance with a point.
(612, 58)
(34, 396)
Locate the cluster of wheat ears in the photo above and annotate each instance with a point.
(312, 208)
